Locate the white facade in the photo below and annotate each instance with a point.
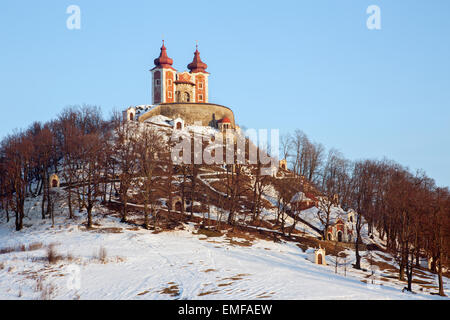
(178, 124)
(129, 114)
(319, 257)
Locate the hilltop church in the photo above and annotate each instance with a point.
(182, 96)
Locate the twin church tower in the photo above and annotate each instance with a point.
(181, 96)
(170, 86)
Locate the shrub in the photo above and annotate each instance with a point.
(48, 292)
(102, 255)
(52, 255)
(35, 246)
(39, 284)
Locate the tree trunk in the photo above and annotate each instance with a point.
(69, 202)
(7, 211)
(358, 257)
(52, 212)
(441, 284)
(89, 215)
(124, 207)
(17, 221)
(145, 215)
(409, 276)
(401, 271)
(44, 198)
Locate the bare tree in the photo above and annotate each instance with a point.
(91, 160)
(308, 156)
(149, 151)
(18, 163)
(257, 187)
(125, 155)
(440, 222)
(334, 183)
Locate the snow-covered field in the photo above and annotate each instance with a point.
(171, 265)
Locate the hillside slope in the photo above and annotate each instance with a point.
(180, 264)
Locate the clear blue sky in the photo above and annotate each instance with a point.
(311, 65)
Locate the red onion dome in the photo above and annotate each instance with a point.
(226, 120)
(197, 65)
(164, 61)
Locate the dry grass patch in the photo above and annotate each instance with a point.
(47, 290)
(108, 230)
(239, 237)
(209, 270)
(35, 246)
(134, 229)
(421, 282)
(225, 284)
(237, 277)
(422, 274)
(387, 259)
(384, 266)
(430, 286)
(171, 290)
(143, 293)
(208, 293)
(39, 284)
(213, 241)
(210, 233)
(22, 248)
(264, 295)
(245, 243)
(102, 255)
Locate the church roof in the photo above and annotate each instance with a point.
(225, 120)
(163, 61)
(197, 65)
(184, 78)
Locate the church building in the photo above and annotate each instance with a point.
(171, 86)
(182, 95)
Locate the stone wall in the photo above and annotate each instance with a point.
(191, 112)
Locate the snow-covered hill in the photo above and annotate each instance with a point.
(180, 264)
(117, 260)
